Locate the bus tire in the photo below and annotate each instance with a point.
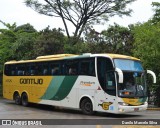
(24, 98)
(87, 107)
(17, 98)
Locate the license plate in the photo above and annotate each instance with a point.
(136, 109)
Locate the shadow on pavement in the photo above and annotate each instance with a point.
(61, 110)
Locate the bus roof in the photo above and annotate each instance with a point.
(69, 56)
(122, 56)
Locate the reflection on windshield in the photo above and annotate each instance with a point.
(134, 85)
(129, 65)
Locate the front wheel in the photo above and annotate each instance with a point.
(25, 100)
(87, 107)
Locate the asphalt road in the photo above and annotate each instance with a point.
(9, 110)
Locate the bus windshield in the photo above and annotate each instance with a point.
(130, 65)
(134, 84)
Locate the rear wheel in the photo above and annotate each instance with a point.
(24, 99)
(17, 99)
(87, 107)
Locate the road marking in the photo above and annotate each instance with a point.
(98, 126)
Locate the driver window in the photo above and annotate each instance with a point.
(110, 77)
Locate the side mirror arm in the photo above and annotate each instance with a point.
(153, 75)
(120, 74)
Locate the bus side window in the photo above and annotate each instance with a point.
(9, 70)
(87, 67)
(20, 73)
(20, 69)
(55, 71)
(55, 68)
(84, 67)
(45, 68)
(45, 72)
(27, 71)
(13, 73)
(32, 68)
(71, 67)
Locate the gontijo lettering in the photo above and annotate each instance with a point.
(31, 81)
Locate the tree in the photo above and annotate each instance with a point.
(156, 9)
(115, 39)
(7, 38)
(80, 12)
(22, 48)
(25, 28)
(49, 42)
(119, 39)
(146, 47)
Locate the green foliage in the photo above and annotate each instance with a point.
(9, 26)
(7, 37)
(147, 48)
(22, 48)
(119, 39)
(156, 9)
(146, 45)
(116, 39)
(25, 28)
(75, 45)
(49, 42)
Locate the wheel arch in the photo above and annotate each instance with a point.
(86, 97)
(16, 92)
(26, 93)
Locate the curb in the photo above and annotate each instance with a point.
(153, 108)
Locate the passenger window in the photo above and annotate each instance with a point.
(87, 67)
(20, 69)
(71, 67)
(55, 68)
(9, 70)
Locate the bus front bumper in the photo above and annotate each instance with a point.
(126, 109)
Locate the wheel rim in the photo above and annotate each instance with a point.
(24, 100)
(88, 107)
(17, 99)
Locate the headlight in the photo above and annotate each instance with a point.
(145, 102)
(122, 103)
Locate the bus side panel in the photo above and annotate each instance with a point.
(71, 88)
(86, 86)
(8, 87)
(28, 84)
(61, 92)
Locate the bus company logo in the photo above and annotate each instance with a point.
(31, 81)
(87, 83)
(6, 122)
(105, 105)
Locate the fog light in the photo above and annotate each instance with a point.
(122, 103)
(121, 110)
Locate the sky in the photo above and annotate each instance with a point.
(15, 11)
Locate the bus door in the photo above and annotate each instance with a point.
(106, 97)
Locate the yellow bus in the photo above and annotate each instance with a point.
(109, 83)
